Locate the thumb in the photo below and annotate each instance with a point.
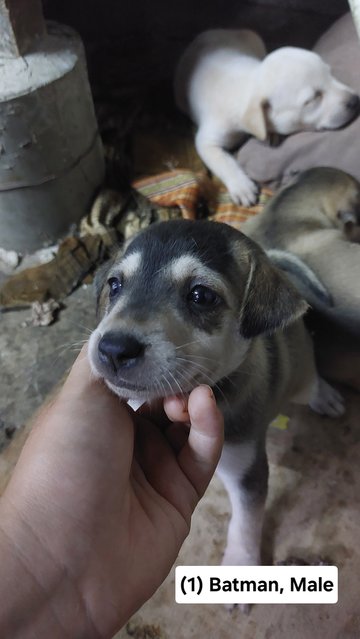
(201, 453)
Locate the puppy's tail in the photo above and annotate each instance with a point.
(302, 276)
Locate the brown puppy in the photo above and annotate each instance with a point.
(314, 218)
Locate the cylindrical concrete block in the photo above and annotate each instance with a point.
(21, 23)
(51, 157)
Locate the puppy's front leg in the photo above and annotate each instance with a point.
(243, 468)
(210, 147)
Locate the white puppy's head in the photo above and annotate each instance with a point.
(296, 91)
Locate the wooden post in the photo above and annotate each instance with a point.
(21, 22)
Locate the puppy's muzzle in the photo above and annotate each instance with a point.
(117, 351)
(352, 108)
(353, 104)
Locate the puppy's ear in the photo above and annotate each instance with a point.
(270, 300)
(254, 118)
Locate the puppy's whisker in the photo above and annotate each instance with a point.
(188, 380)
(64, 350)
(189, 360)
(159, 385)
(197, 367)
(209, 381)
(67, 345)
(176, 382)
(162, 387)
(204, 357)
(186, 344)
(87, 329)
(73, 347)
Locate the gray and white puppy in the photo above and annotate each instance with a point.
(186, 303)
(317, 218)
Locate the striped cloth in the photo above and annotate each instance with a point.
(195, 193)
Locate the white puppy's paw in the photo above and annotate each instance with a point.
(243, 190)
(326, 400)
(238, 556)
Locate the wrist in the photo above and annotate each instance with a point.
(38, 597)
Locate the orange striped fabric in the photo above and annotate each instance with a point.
(189, 190)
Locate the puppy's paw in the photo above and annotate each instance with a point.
(237, 556)
(243, 190)
(326, 400)
(240, 557)
(244, 608)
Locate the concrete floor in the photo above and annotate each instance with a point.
(34, 359)
(313, 509)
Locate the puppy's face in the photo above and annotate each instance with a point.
(299, 93)
(346, 207)
(338, 196)
(179, 306)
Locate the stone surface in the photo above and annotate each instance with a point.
(34, 359)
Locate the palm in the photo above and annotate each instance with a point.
(108, 501)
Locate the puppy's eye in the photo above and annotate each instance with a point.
(114, 287)
(314, 99)
(203, 296)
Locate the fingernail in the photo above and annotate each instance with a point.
(210, 391)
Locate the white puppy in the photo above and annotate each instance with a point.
(230, 88)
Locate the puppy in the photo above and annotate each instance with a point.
(186, 303)
(314, 218)
(228, 85)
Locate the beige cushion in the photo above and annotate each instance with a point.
(339, 47)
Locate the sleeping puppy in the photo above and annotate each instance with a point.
(187, 303)
(317, 218)
(229, 87)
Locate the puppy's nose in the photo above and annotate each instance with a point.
(353, 103)
(117, 350)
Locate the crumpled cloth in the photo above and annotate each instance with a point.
(116, 216)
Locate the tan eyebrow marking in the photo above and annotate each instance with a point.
(131, 263)
(182, 267)
(190, 266)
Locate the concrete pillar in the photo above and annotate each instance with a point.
(21, 22)
(51, 159)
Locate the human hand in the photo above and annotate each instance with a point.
(98, 507)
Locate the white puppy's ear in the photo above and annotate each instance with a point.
(254, 118)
